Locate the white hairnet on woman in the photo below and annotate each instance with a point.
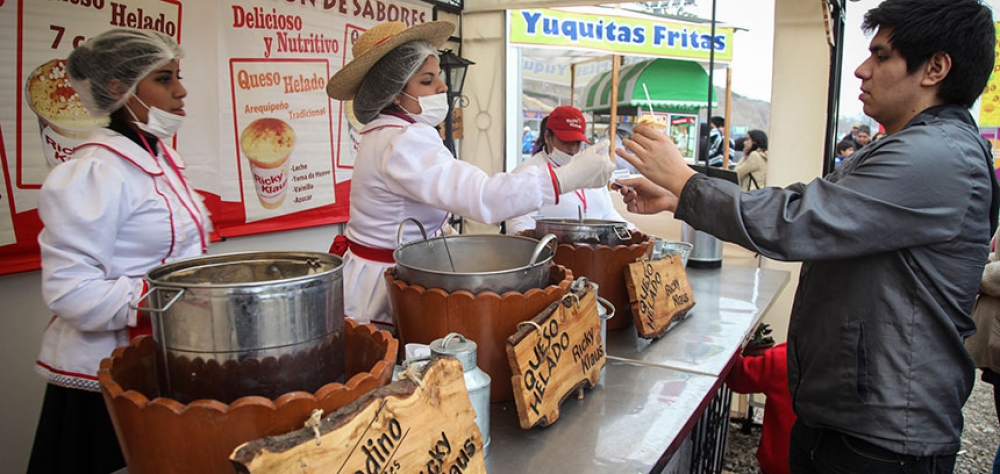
(403, 170)
(388, 77)
(105, 70)
(117, 208)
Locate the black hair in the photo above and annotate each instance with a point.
(864, 129)
(843, 146)
(719, 122)
(963, 29)
(543, 129)
(759, 140)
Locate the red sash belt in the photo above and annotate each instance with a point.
(341, 244)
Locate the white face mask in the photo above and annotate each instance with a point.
(560, 157)
(159, 123)
(433, 108)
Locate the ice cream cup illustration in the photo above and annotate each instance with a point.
(62, 120)
(268, 143)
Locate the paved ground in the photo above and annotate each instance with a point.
(979, 439)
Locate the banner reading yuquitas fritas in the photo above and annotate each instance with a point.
(250, 66)
(619, 33)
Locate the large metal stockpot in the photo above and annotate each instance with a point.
(584, 231)
(475, 263)
(250, 323)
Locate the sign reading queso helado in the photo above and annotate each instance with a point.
(620, 34)
(659, 292)
(553, 355)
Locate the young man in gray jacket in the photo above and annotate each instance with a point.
(893, 244)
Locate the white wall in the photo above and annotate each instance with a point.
(25, 317)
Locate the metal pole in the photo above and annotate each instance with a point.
(711, 78)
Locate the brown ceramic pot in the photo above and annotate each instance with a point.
(423, 315)
(161, 435)
(605, 266)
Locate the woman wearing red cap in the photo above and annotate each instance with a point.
(404, 170)
(564, 136)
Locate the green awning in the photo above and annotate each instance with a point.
(673, 84)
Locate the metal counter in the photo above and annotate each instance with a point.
(654, 391)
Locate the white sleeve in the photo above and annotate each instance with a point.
(422, 169)
(80, 205)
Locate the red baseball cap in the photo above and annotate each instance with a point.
(568, 124)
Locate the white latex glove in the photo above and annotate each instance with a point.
(591, 168)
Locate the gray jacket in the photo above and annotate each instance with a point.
(893, 243)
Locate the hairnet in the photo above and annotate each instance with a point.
(106, 69)
(388, 77)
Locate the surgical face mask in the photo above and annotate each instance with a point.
(433, 108)
(559, 157)
(159, 123)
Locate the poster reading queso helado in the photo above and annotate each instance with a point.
(283, 129)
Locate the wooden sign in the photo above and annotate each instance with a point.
(553, 355)
(659, 293)
(425, 425)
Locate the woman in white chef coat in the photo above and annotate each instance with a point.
(404, 170)
(118, 208)
(564, 134)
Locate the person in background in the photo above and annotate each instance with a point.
(878, 135)
(527, 140)
(984, 345)
(844, 150)
(119, 207)
(851, 135)
(403, 170)
(752, 169)
(768, 374)
(623, 131)
(893, 244)
(862, 137)
(564, 138)
(738, 154)
(716, 142)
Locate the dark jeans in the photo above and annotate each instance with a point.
(823, 451)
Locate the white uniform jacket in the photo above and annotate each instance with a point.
(110, 214)
(404, 170)
(594, 202)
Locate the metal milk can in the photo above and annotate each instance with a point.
(606, 311)
(477, 382)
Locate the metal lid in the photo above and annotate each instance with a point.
(580, 222)
(244, 269)
(457, 346)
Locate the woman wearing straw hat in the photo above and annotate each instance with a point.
(404, 170)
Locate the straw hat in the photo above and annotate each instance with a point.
(377, 42)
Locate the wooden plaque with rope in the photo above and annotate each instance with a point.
(556, 353)
(422, 423)
(660, 294)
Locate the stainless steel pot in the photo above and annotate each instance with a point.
(475, 263)
(584, 231)
(252, 323)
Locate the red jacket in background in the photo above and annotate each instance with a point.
(768, 374)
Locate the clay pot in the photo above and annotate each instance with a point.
(423, 315)
(162, 435)
(605, 266)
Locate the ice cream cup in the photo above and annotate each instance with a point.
(268, 143)
(63, 122)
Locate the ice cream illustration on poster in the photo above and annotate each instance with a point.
(62, 120)
(284, 135)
